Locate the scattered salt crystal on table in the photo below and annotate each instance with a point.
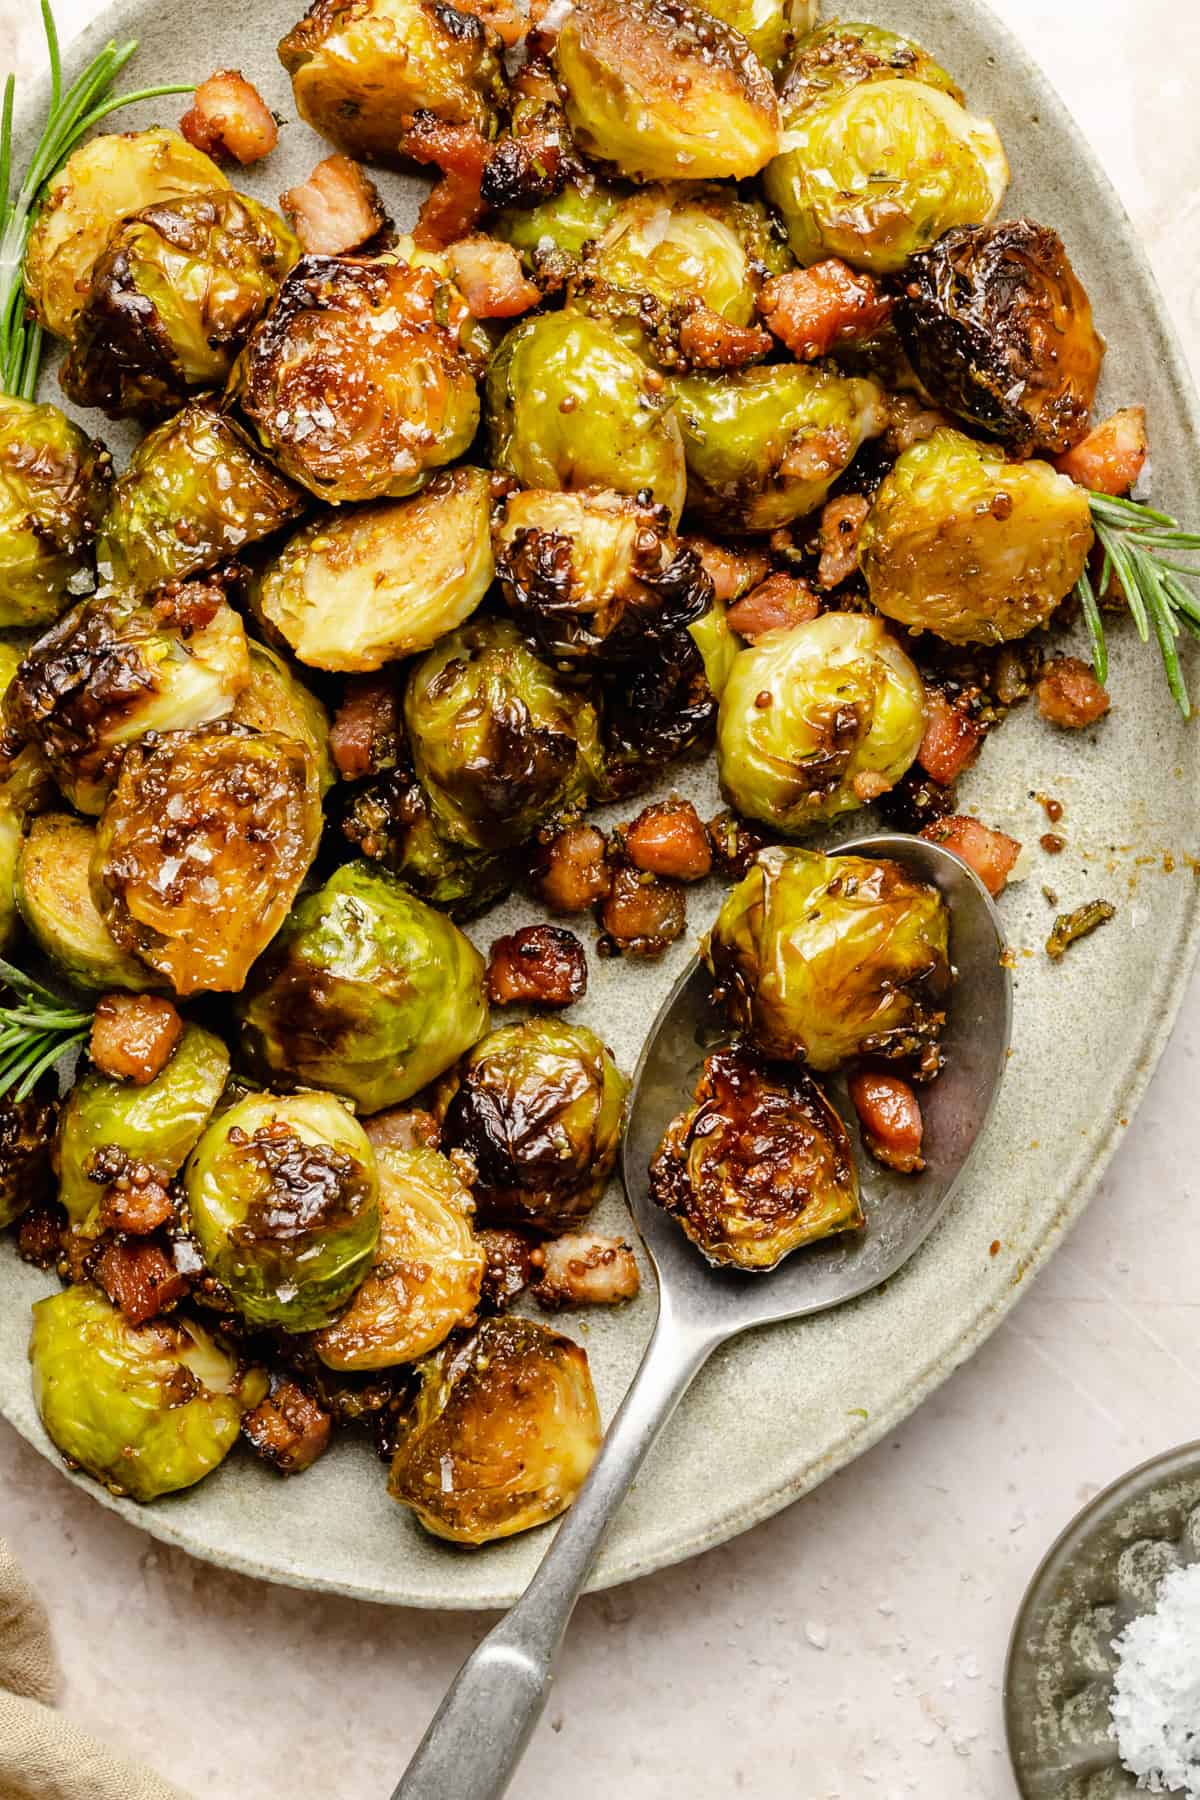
(1156, 1689)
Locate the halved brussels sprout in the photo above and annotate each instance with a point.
(562, 226)
(663, 91)
(109, 1127)
(764, 446)
(390, 820)
(366, 991)
(759, 1165)
(770, 27)
(277, 700)
(539, 1108)
(26, 1137)
(428, 1267)
(685, 242)
(370, 586)
(103, 182)
(283, 1198)
(360, 69)
(502, 1435)
(146, 1409)
(54, 483)
(173, 296)
(971, 547)
(571, 406)
(820, 958)
(355, 383)
(498, 745)
(54, 899)
(816, 720)
(201, 848)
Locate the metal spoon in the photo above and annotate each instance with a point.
(480, 1731)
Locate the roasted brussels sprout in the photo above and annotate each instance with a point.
(173, 296)
(880, 155)
(54, 899)
(539, 1108)
(685, 243)
(26, 1135)
(25, 786)
(109, 1128)
(145, 1410)
(283, 1199)
(428, 1267)
(277, 700)
(999, 328)
(561, 227)
(818, 719)
(104, 181)
(820, 958)
(770, 27)
(571, 406)
(662, 91)
(366, 991)
(659, 709)
(764, 446)
(360, 69)
(355, 383)
(498, 746)
(759, 1165)
(390, 820)
(971, 547)
(201, 848)
(503, 1432)
(54, 484)
(367, 587)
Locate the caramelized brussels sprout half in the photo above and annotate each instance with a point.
(355, 383)
(571, 406)
(54, 899)
(758, 1166)
(539, 1108)
(201, 848)
(106, 180)
(366, 991)
(54, 483)
(428, 1268)
(682, 243)
(561, 227)
(770, 27)
(816, 720)
(26, 1137)
(764, 446)
(146, 1409)
(971, 547)
(391, 821)
(277, 700)
(821, 958)
(283, 1198)
(370, 586)
(663, 91)
(502, 1435)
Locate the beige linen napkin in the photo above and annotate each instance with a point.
(42, 1755)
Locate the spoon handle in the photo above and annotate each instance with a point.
(479, 1732)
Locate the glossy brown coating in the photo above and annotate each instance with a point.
(229, 120)
(455, 204)
(642, 914)
(288, 1429)
(1069, 694)
(133, 1036)
(668, 838)
(139, 1278)
(539, 965)
(509, 1268)
(26, 1135)
(735, 844)
(40, 1232)
(815, 310)
(367, 732)
(889, 1115)
(336, 209)
(571, 870)
(136, 1200)
(655, 712)
(776, 604)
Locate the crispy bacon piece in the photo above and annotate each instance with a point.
(889, 1115)
(1068, 694)
(540, 965)
(505, 19)
(135, 1201)
(842, 521)
(491, 279)
(40, 1233)
(642, 914)
(735, 844)
(229, 120)
(572, 870)
(1112, 455)
(708, 341)
(402, 1128)
(337, 209)
(366, 732)
(585, 1269)
(461, 152)
(733, 569)
(991, 854)
(910, 422)
(139, 1279)
(509, 1268)
(777, 602)
(133, 1036)
(288, 1429)
(813, 310)
(668, 838)
(952, 738)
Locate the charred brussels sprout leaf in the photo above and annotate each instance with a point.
(390, 820)
(539, 1108)
(277, 700)
(366, 991)
(820, 958)
(660, 709)
(283, 1196)
(54, 898)
(818, 719)
(759, 1165)
(683, 243)
(502, 1435)
(26, 1135)
(770, 27)
(971, 547)
(54, 484)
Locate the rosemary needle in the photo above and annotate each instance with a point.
(35, 1031)
(1141, 546)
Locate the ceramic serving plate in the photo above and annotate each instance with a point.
(777, 1412)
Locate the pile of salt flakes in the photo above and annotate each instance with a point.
(1156, 1689)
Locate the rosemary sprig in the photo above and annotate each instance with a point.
(34, 1032)
(1142, 548)
(72, 114)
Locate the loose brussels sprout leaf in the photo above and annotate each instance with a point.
(390, 821)
(355, 383)
(194, 493)
(564, 225)
(770, 27)
(26, 1137)
(816, 720)
(110, 1126)
(368, 587)
(718, 645)
(681, 243)
(277, 700)
(539, 1108)
(201, 849)
(54, 484)
(173, 296)
(54, 897)
(106, 180)
(971, 547)
(366, 991)
(428, 1268)
(145, 1410)
(361, 68)
(498, 745)
(570, 406)
(820, 958)
(662, 91)
(759, 1165)
(764, 446)
(502, 1435)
